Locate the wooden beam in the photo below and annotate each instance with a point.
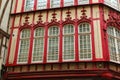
(3, 12)
(4, 33)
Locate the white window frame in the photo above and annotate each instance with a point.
(73, 34)
(42, 7)
(30, 8)
(85, 33)
(20, 47)
(48, 44)
(34, 46)
(67, 1)
(54, 4)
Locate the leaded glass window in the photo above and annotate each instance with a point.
(55, 3)
(24, 46)
(53, 44)
(38, 48)
(29, 5)
(68, 2)
(85, 50)
(114, 43)
(42, 4)
(68, 42)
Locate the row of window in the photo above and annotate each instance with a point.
(42, 4)
(114, 43)
(68, 44)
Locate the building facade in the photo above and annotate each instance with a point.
(5, 8)
(64, 40)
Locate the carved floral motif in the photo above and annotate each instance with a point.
(113, 20)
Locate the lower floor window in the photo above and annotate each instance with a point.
(53, 49)
(85, 52)
(68, 48)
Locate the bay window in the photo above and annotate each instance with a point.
(114, 43)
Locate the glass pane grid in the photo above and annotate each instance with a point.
(38, 48)
(55, 3)
(24, 46)
(42, 4)
(68, 2)
(29, 5)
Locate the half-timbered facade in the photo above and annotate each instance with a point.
(64, 40)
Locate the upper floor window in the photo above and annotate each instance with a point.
(68, 2)
(68, 42)
(24, 46)
(55, 3)
(38, 45)
(85, 50)
(53, 41)
(114, 43)
(42, 4)
(83, 1)
(29, 5)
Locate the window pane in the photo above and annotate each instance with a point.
(110, 31)
(24, 46)
(29, 5)
(25, 33)
(85, 50)
(83, 1)
(68, 52)
(42, 4)
(112, 48)
(39, 32)
(68, 42)
(38, 48)
(55, 3)
(53, 49)
(53, 31)
(68, 29)
(85, 46)
(114, 43)
(68, 2)
(84, 28)
(53, 44)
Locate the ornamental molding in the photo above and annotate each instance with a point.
(113, 20)
(39, 22)
(26, 23)
(68, 19)
(53, 20)
(83, 17)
